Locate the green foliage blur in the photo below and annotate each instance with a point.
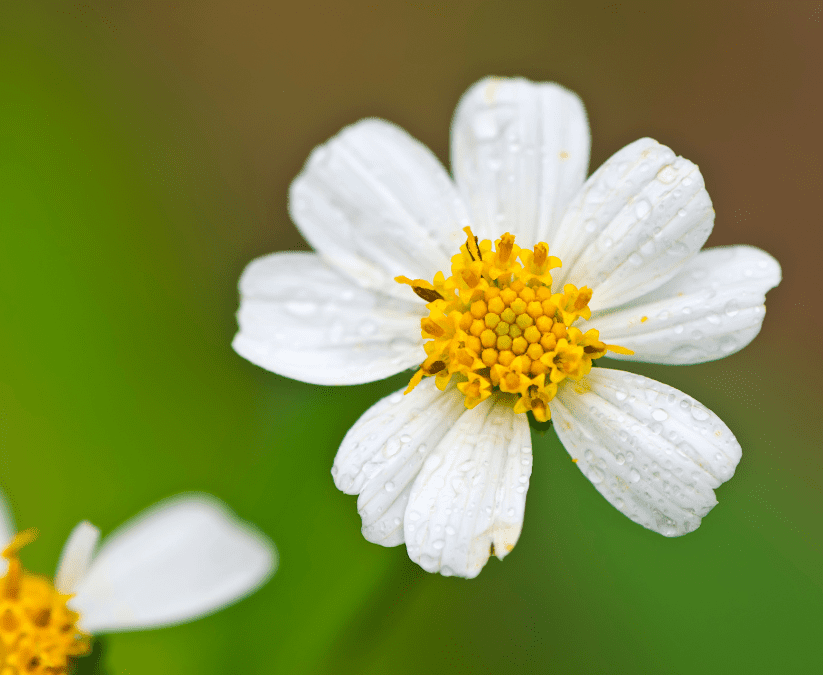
(123, 231)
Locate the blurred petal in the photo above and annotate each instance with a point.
(712, 308)
(7, 530)
(638, 219)
(469, 498)
(376, 203)
(301, 318)
(76, 556)
(382, 453)
(520, 152)
(184, 558)
(653, 452)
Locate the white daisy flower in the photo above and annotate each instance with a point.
(445, 467)
(185, 557)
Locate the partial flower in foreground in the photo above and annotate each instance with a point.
(610, 265)
(182, 559)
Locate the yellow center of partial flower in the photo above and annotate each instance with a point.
(38, 633)
(496, 325)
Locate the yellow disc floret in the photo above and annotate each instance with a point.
(38, 633)
(495, 325)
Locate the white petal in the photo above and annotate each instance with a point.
(633, 225)
(470, 494)
(712, 308)
(653, 452)
(76, 556)
(6, 530)
(301, 318)
(382, 453)
(376, 203)
(520, 152)
(184, 558)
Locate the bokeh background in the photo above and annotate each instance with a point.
(146, 150)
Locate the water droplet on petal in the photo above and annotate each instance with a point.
(642, 208)
(660, 415)
(699, 413)
(667, 174)
(301, 307)
(732, 308)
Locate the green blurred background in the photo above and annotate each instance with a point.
(146, 151)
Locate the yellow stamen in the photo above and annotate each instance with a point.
(38, 633)
(495, 324)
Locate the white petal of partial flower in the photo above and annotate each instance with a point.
(469, 498)
(638, 219)
(712, 308)
(301, 318)
(376, 204)
(6, 530)
(520, 152)
(76, 556)
(382, 453)
(655, 453)
(184, 558)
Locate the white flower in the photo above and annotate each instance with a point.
(447, 471)
(186, 557)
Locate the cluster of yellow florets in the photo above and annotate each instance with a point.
(496, 325)
(38, 635)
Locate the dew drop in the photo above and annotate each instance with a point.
(697, 335)
(620, 395)
(699, 413)
(660, 415)
(635, 259)
(620, 458)
(367, 328)
(438, 545)
(642, 208)
(484, 125)
(686, 352)
(389, 486)
(647, 248)
(713, 318)
(301, 307)
(634, 476)
(732, 308)
(728, 344)
(678, 328)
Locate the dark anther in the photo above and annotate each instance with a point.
(42, 617)
(428, 294)
(590, 349)
(436, 367)
(491, 549)
(484, 373)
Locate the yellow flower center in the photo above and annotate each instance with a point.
(38, 633)
(496, 325)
